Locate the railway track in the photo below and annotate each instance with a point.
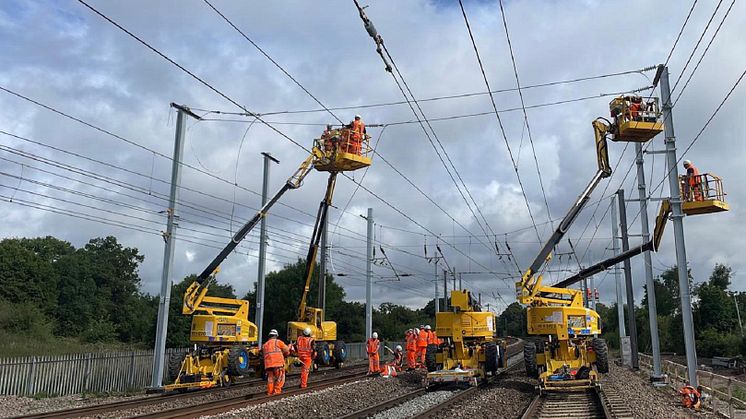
(514, 354)
(594, 403)
(122, 405)
(230, 403)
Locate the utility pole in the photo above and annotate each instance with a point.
(738, 313)
(678, 229)
(159, 352)
(262, 250)
(445, 290)
(435, 281)
(322, 266)
(649, 283)
(459, 281)
(628, 280)
(620, 288)
(369, 279)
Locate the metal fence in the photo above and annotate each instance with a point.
(105, 372)
(727, 396)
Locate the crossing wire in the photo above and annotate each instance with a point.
(245, 36)
(678, 37)
(499, 121)
(696, 46)
(435, 98)
(523, 106)
(717, 30)
(430, 139)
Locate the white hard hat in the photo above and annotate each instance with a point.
(428, 327)
(307, 331)
(687, 163)
(416, 330)
(375, 335)
(398, 347)
(358, 117)
(273, 332)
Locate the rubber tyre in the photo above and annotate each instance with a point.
(340, 353)
(529, 359)
(430, 362)
(323, 355)
(238, 361)
(174, 365)
(491, 357)
(602, 354)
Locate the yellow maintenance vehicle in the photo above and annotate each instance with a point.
(224, 340)
(568, 353)
(568, 349)
(347, 154)
(468, 350)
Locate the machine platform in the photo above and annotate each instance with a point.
(343, 151)
(636, 119)
(703, 194)
(454, 376)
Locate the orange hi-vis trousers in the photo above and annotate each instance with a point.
(421, 354)
(305, 370)
(411, 359)
(373, 363)
(275, 380)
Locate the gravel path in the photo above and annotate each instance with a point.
(646, 401)
(332, 402)
(19, 405)
(506, 398)
(414, 406)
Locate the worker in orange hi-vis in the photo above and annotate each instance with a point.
(373, 357)
(421, 345)
(358, 133)
(304, 348)
(693, 187)
(275, 351)
(411, 347)
(432, 337)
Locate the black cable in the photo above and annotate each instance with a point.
(523, 106)
(272, 60)
(717, 30)
(431, 99)
(691, 9)
(499, 120)
(694, 50)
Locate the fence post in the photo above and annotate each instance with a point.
(30, 377)
(87, 376)
(714, 394)
(730, 398)
(131, 374)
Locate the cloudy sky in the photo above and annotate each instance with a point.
(64, 178)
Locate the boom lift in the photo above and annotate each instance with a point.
(329, 350)
(567, 351)
(469, 350)
(224, 339)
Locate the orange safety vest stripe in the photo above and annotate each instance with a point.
(411, 342)
(273, 351)
(304, 344)
(422, 338)
(373, 345)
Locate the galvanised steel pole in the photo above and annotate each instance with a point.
(652, 307)
(159, 351)
(677, 218)
(262, 250)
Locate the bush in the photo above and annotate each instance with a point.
(712, 343)
(25, 319)
(99, 331)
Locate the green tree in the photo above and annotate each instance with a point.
(512, 321)
(720, 276)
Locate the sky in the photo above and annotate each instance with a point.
(105, 168)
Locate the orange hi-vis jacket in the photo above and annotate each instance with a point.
(411, 342)
(358, 127)
(304, 346)
(432, 338)
(274, 351)
(422, 338)
(373, 346)
(693, 173)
